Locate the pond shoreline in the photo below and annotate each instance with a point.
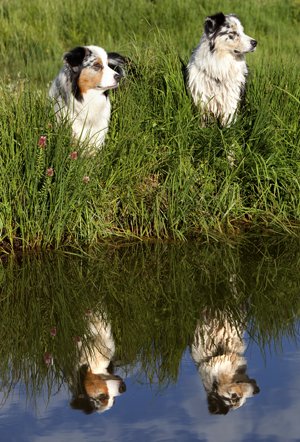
(236, 235)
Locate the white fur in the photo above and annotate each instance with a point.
(102, 349)
(217, 77)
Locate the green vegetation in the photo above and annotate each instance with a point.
(35, 34)
(160, 175)
(153, 295)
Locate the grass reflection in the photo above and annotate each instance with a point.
(152, 296)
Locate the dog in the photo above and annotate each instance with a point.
(217, 72)
(96, 386)
(81, 92)
(217, 351)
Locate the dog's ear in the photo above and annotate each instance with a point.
(213, 22)
(120, 64)
(75, 57)
(242, 369)
(216, 405)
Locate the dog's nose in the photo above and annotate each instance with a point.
(117, 77)
(254, 43)
(122, 388)
(256, 390)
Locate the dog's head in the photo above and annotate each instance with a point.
(230, 394)
(225, 34)
(96, 392)
(90, 69)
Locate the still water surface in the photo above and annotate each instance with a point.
(195, 343)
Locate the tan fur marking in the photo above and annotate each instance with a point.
(99, 60)
(95, 386)
(223, 48)
(90, 78)
(104, 402)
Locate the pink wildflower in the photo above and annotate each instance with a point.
(73, 156)
(47, 357)
(77, 339)
(86, 179)
(49, 125)
(53, 331)
(88, 313)
(42, 142)
(49, 172)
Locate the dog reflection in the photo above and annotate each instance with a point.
(97, 386)
(217, 351)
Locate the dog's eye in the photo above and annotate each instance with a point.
(97, 66)
(103, 396)
(238, 382)
(232, 35)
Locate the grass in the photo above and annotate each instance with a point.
(35, 35)
(160, 175)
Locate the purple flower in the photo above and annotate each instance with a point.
(86, 179)
(47, 357)
(53, 331)
(42, 142)
(88, 313)
(49, 172)
(73, 156)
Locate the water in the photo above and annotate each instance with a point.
(146, 314)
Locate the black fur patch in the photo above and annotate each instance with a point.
(81, 400)
(75, 57)
(119, 63)
(74, 60)
(75, 89)
(213, 23)
(216, 405)
(215, 385)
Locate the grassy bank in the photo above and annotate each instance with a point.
(160, 175)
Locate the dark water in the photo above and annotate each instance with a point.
(195, 342)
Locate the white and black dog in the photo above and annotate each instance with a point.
(217, 71)
(81, 91)
(217, 351)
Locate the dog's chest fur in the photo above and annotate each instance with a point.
(91, 116)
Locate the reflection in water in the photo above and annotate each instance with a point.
(154, 297)
(217, 351)
(96, 386)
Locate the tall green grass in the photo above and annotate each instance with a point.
(35, 34)
(160, 174)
